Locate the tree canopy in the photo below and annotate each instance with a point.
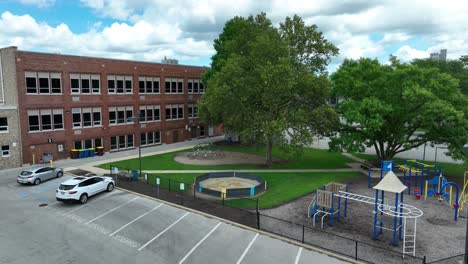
(458, 69)
(397, 107)
(268, 83)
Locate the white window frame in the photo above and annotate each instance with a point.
(116, 109)
(114, 90)
(6, 152)
(77, 124)
(45, 75)
(4, 129)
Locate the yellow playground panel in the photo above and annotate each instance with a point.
(462, 198)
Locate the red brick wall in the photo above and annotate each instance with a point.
(64, 64)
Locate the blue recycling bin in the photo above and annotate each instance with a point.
(134, 175)
(81, 154)
(92, 152)
(85, 153)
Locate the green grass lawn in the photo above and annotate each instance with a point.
(282, 187)
(311, 159)
(450, 169)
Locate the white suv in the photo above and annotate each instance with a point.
(81, 188)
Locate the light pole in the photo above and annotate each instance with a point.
(435, 156)
(137, 119)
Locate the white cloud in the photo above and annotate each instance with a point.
(39, 3)
(406, 53)
(394, 37)
(152, 29)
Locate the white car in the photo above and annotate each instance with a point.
(81, 188)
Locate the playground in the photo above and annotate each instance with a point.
(438, 234)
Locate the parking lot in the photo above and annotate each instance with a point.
(122, 227)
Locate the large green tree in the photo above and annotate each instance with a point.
(269, 83)
(398, 107)
(458, 69)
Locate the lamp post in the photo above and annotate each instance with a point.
(435, 156)
(137, 119)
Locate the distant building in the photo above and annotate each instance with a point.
(440, 56)
(169, 61)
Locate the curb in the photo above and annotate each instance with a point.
(284, 239)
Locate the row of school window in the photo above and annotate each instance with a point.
(120, 142)
(52, 119)
(51, 83)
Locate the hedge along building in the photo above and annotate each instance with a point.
(71, 102)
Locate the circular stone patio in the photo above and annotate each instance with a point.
(230, 158)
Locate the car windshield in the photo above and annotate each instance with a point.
(66, 187)
(25, 173)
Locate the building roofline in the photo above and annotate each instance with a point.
(108, 59)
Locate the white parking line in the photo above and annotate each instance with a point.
(54, 204)
(164, 231)
(247, 249)
(111, 210)
(113, 233)
(199, 242)
(76, 209)
(298, 256)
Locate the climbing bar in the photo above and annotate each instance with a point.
(356, 197)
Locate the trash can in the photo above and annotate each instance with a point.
(100, 151)
(85, 153)
(91, 152)
(81, 153)
(74, 153)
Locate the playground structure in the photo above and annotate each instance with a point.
(414, 173)
(443, 191)
(327, 202)
(324, 202)
(462, 198)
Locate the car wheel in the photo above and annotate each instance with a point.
(83, 198)
(59, 174)
(110, 187)
(37, 181)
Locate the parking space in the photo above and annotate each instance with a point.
(123, 224)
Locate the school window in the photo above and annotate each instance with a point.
(192, 111)
(150, 138)
(3, 125)
(43, 83)
(76, 116)
(45, 119)
(58, 118)
(119, 84)
(148, 85)
(87, 143)
(86, 117)
(174, 112)
(195, 86)
(6, 151)
(120, 115)
(121, 142)
(85, 84)
(174, 85)
(150, 113)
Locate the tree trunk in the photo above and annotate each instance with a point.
(269, 157)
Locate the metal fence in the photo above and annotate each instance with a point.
(245, 211)
(455, 260)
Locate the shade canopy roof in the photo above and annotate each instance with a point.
(390, 183)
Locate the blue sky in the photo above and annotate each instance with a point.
(149, 30)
